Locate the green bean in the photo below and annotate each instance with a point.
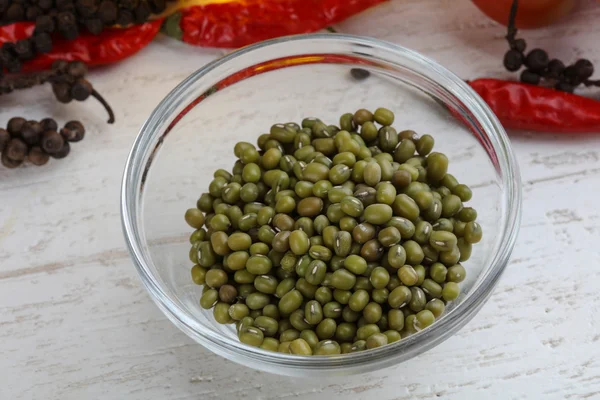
(436, 306)
(198, 274)
(473, 232)
(251, 336)
(290, 302)
(406, 207)
(450, 291)
(437, 166)
(308, 290)
(378, 214)
(326, 328)
(327, 347)
(388, 138)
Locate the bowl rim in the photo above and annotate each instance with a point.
(406, 348)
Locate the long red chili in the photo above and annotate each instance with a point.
(242, 22)
(534, 108)
(110, 46)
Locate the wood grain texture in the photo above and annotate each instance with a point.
(75, 322)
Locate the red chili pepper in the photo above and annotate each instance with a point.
(110, 46)
(16, 31)
(239, 23)
(534, 108)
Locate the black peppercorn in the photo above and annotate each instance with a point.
(129, 4)
(65, 5)
(37, 156)
(44, 24)
(69, 32)
(125, 17)
(4, 138)
(584, 68)
(65, 18)
(107, 12)
(11, 63)
(48, 124)
(63, 152)
(571, 76)
(51, 142)
(77, 69)
(513, 60)
(31, 132)
(531, 77)
(536, 60)
(62, 92)
(42, 43)
(8, 50)
(85, 8)
(24, 49)
(142, 12)
(157, 6)
(94, 26)
(15, 12)
(32, 12)
(359, 74)
(73, 131)
(564, 87)
(16, 149)
(45, 4)
(15, 125)
(519, 45)
(555, 68)
(60, 66)
(8, 163)
(81, 89)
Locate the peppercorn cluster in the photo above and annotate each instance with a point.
(66, 17)
(92, 13)
(67, 80)
(37, 141)
(539, 68)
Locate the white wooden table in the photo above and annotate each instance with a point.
(75, 322)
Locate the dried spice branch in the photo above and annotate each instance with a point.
(67, 80)
(540, 69)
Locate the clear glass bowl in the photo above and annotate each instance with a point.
(238, 97)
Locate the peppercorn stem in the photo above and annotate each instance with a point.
(18, 82)
(512, 29)
(111, 114)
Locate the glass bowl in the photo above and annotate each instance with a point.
(238, 97)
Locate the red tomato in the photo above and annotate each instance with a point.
(531, 13)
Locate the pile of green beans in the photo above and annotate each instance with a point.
(328, 239)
